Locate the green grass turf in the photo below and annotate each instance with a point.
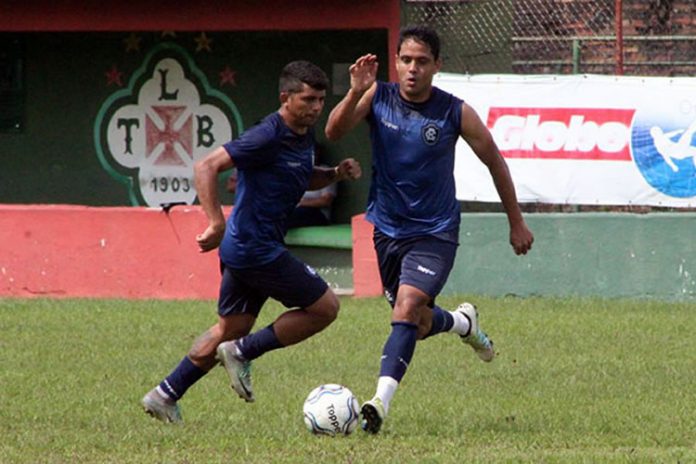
(576, 380)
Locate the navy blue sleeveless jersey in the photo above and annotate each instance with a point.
(274, 166)
(412, 191)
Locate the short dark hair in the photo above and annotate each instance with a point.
(422, 34)
(296, 73)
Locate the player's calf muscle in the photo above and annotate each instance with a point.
(202, 352)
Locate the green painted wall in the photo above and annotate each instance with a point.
(52, 158)
(586, 254)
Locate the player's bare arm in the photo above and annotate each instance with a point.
(355, 106)
(323, 201)
(481, 142)
(348, 169)
(205, 177)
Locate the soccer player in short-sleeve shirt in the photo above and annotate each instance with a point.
(274, 162)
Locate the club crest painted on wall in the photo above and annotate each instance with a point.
(149, 135)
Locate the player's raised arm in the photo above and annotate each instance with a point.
(481, 142)
(206, 172)
(355, 106)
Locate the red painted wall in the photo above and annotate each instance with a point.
(215, 15)
(366, 279)
(124, 252)
(79, 251)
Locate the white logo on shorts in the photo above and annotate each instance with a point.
(310, 269)
(388, 296)
(425, 270)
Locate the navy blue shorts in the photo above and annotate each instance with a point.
(286, 279)
(423, 262)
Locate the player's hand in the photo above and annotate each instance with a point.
(348, 169)
(363, 73)
(210, 238)
(521, 238)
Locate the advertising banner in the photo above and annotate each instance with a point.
(583, 139)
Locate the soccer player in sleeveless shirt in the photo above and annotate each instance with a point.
(274, 161)
(413, 130)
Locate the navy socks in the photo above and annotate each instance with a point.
(398, 350)
(186, 373)
(442, 321)
(254, 345)
(181, 378)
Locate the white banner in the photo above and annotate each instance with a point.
(583, 139)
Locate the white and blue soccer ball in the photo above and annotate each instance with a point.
(331, 409)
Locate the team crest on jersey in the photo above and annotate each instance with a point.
(430, 134)
(149, 135)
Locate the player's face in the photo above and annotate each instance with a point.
(303, 108)
(416, 66)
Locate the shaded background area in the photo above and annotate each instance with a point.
(60, 61)
(50, 157)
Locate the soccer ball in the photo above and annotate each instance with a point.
(331, 409)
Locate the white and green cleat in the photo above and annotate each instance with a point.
(477, 339)
(372, 415)
(238, 369)
(161, 408)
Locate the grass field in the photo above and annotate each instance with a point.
(576, 380)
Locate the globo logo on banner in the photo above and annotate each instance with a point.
(661, 143)
(562, 133)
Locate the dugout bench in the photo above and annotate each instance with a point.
(328, 249)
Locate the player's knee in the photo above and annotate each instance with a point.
(332, 308)
(408, 309)
(326, 309)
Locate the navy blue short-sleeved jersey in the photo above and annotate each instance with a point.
(274, 167)
(412, 191)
